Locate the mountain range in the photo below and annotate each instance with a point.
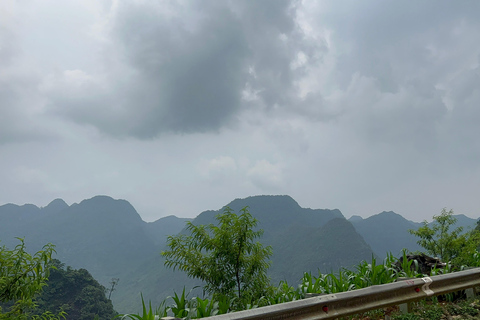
(108, 238)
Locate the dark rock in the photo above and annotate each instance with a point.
(421, 262)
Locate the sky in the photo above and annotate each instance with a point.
(183, 106)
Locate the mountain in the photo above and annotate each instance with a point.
(467, 223)
(163, 227)
(323, 247)
(388, 232)
(108, 238)
(327, 241)
(55, 206)
(105, 236)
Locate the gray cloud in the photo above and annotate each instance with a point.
(394, 66)
(19, 100)
(391, 41)
(365, 106)
(463, 127)
(183, 68)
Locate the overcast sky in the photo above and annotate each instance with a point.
(183, 106)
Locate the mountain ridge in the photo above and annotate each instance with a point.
(109, 238)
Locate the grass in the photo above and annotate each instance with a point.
(427, 310)
(463, 309)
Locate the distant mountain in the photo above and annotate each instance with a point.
(105, 236)
(109, 239)
(355, 218)
(465, 222)
(55, 206)
(327, 240)
(163, 227)
(312, 248)
(302, 240)
(388, 232)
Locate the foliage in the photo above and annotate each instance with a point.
(206, 307)
(363, 275)
(406, 316)
(463, 309)
(439, 240)
(226, 257)
(22, 277)
(182, 307)
(284, 293)
(146, 315)
(76, 292)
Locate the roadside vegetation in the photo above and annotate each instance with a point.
(432, 309)
(204, 254)
(39, 287)
(233, 265)
(22, 277)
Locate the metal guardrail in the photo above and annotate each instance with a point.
(342, 304)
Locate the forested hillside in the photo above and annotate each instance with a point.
(76, 292)
(108, 238)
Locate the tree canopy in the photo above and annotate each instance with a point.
(225, 256)
(22, 276)
(76, 292)
(441, 239)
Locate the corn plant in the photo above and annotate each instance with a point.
(369, 274)
(146, 314)
(326, 283)
(409, 268)
(206, 307)
(475, 260)
(283, 293)
(308, 285)
(182, 307)
(339, 284)
(312, 284)
(224, 304)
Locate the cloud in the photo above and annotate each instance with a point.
(267, 176)
(362, 103)
(183, 67)
(242, 173)
(192, 67)
(20, 105)
(218, 169)
(463, 98)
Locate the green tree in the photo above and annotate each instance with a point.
(442, 240)
(224, 256)
(77, 292)
(22, 276)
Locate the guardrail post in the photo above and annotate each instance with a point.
(406, 307)
(470, 293)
